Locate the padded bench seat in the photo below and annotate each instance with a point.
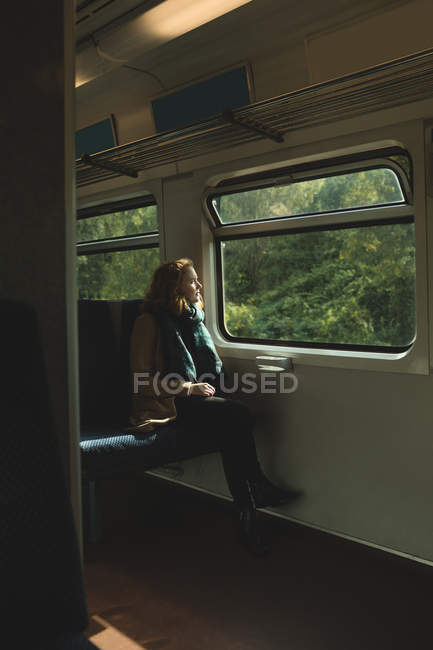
(114, 453)
(108, 450)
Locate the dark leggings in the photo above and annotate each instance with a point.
(209, 424)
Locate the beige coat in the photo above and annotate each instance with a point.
(152, 398)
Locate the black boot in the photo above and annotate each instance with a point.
(251, 533)
(268, 495)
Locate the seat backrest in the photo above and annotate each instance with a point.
(41, 580)
(104, 336)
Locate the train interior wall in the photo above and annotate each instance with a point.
(287, 47)
(356, 436)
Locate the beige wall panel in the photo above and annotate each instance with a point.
(383, 37)
(182, 219)
(280, 72)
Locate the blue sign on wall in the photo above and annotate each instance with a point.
(201, 100)
(96, 137)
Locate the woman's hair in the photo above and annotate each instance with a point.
(164, 288)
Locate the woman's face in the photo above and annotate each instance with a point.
(190, 286)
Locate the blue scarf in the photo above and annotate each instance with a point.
(188, 347)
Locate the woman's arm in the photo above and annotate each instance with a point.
(146, 365)
(147, 362)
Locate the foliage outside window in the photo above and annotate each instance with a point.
(348, 285)
(124, 271)
(118, 224)
(119, 275)
(371, 187)
(351, 286)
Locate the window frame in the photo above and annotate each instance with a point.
(124, 242)
(117, 206)
(383, 214)
(314, 173)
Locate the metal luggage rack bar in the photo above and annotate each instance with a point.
(388, 85)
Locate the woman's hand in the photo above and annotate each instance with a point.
(204, 389)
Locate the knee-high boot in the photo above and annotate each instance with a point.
(250, 530)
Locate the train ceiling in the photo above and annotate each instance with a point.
(112, 33)
(93, 15)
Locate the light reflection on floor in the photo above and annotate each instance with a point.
(109, 637)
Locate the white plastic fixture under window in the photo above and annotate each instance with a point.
(274, 364)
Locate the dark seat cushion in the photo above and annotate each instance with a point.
(104, 334)
(115, 452)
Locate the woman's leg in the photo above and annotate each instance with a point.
(225, 425)
(219, 424)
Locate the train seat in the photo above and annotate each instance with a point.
(108, 449)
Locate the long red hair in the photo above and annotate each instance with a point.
(164, 289)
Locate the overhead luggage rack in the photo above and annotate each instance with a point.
(392, 84)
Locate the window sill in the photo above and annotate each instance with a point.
(409, 362)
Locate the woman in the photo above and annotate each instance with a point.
(171, 355)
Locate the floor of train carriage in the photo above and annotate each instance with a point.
(170, 575)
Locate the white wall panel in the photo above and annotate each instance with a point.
(357, 442)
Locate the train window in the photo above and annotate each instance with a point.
(339, 276)
(118, 223)
(118, 249)
(347, 286)
(354, 190)
(118, 275)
